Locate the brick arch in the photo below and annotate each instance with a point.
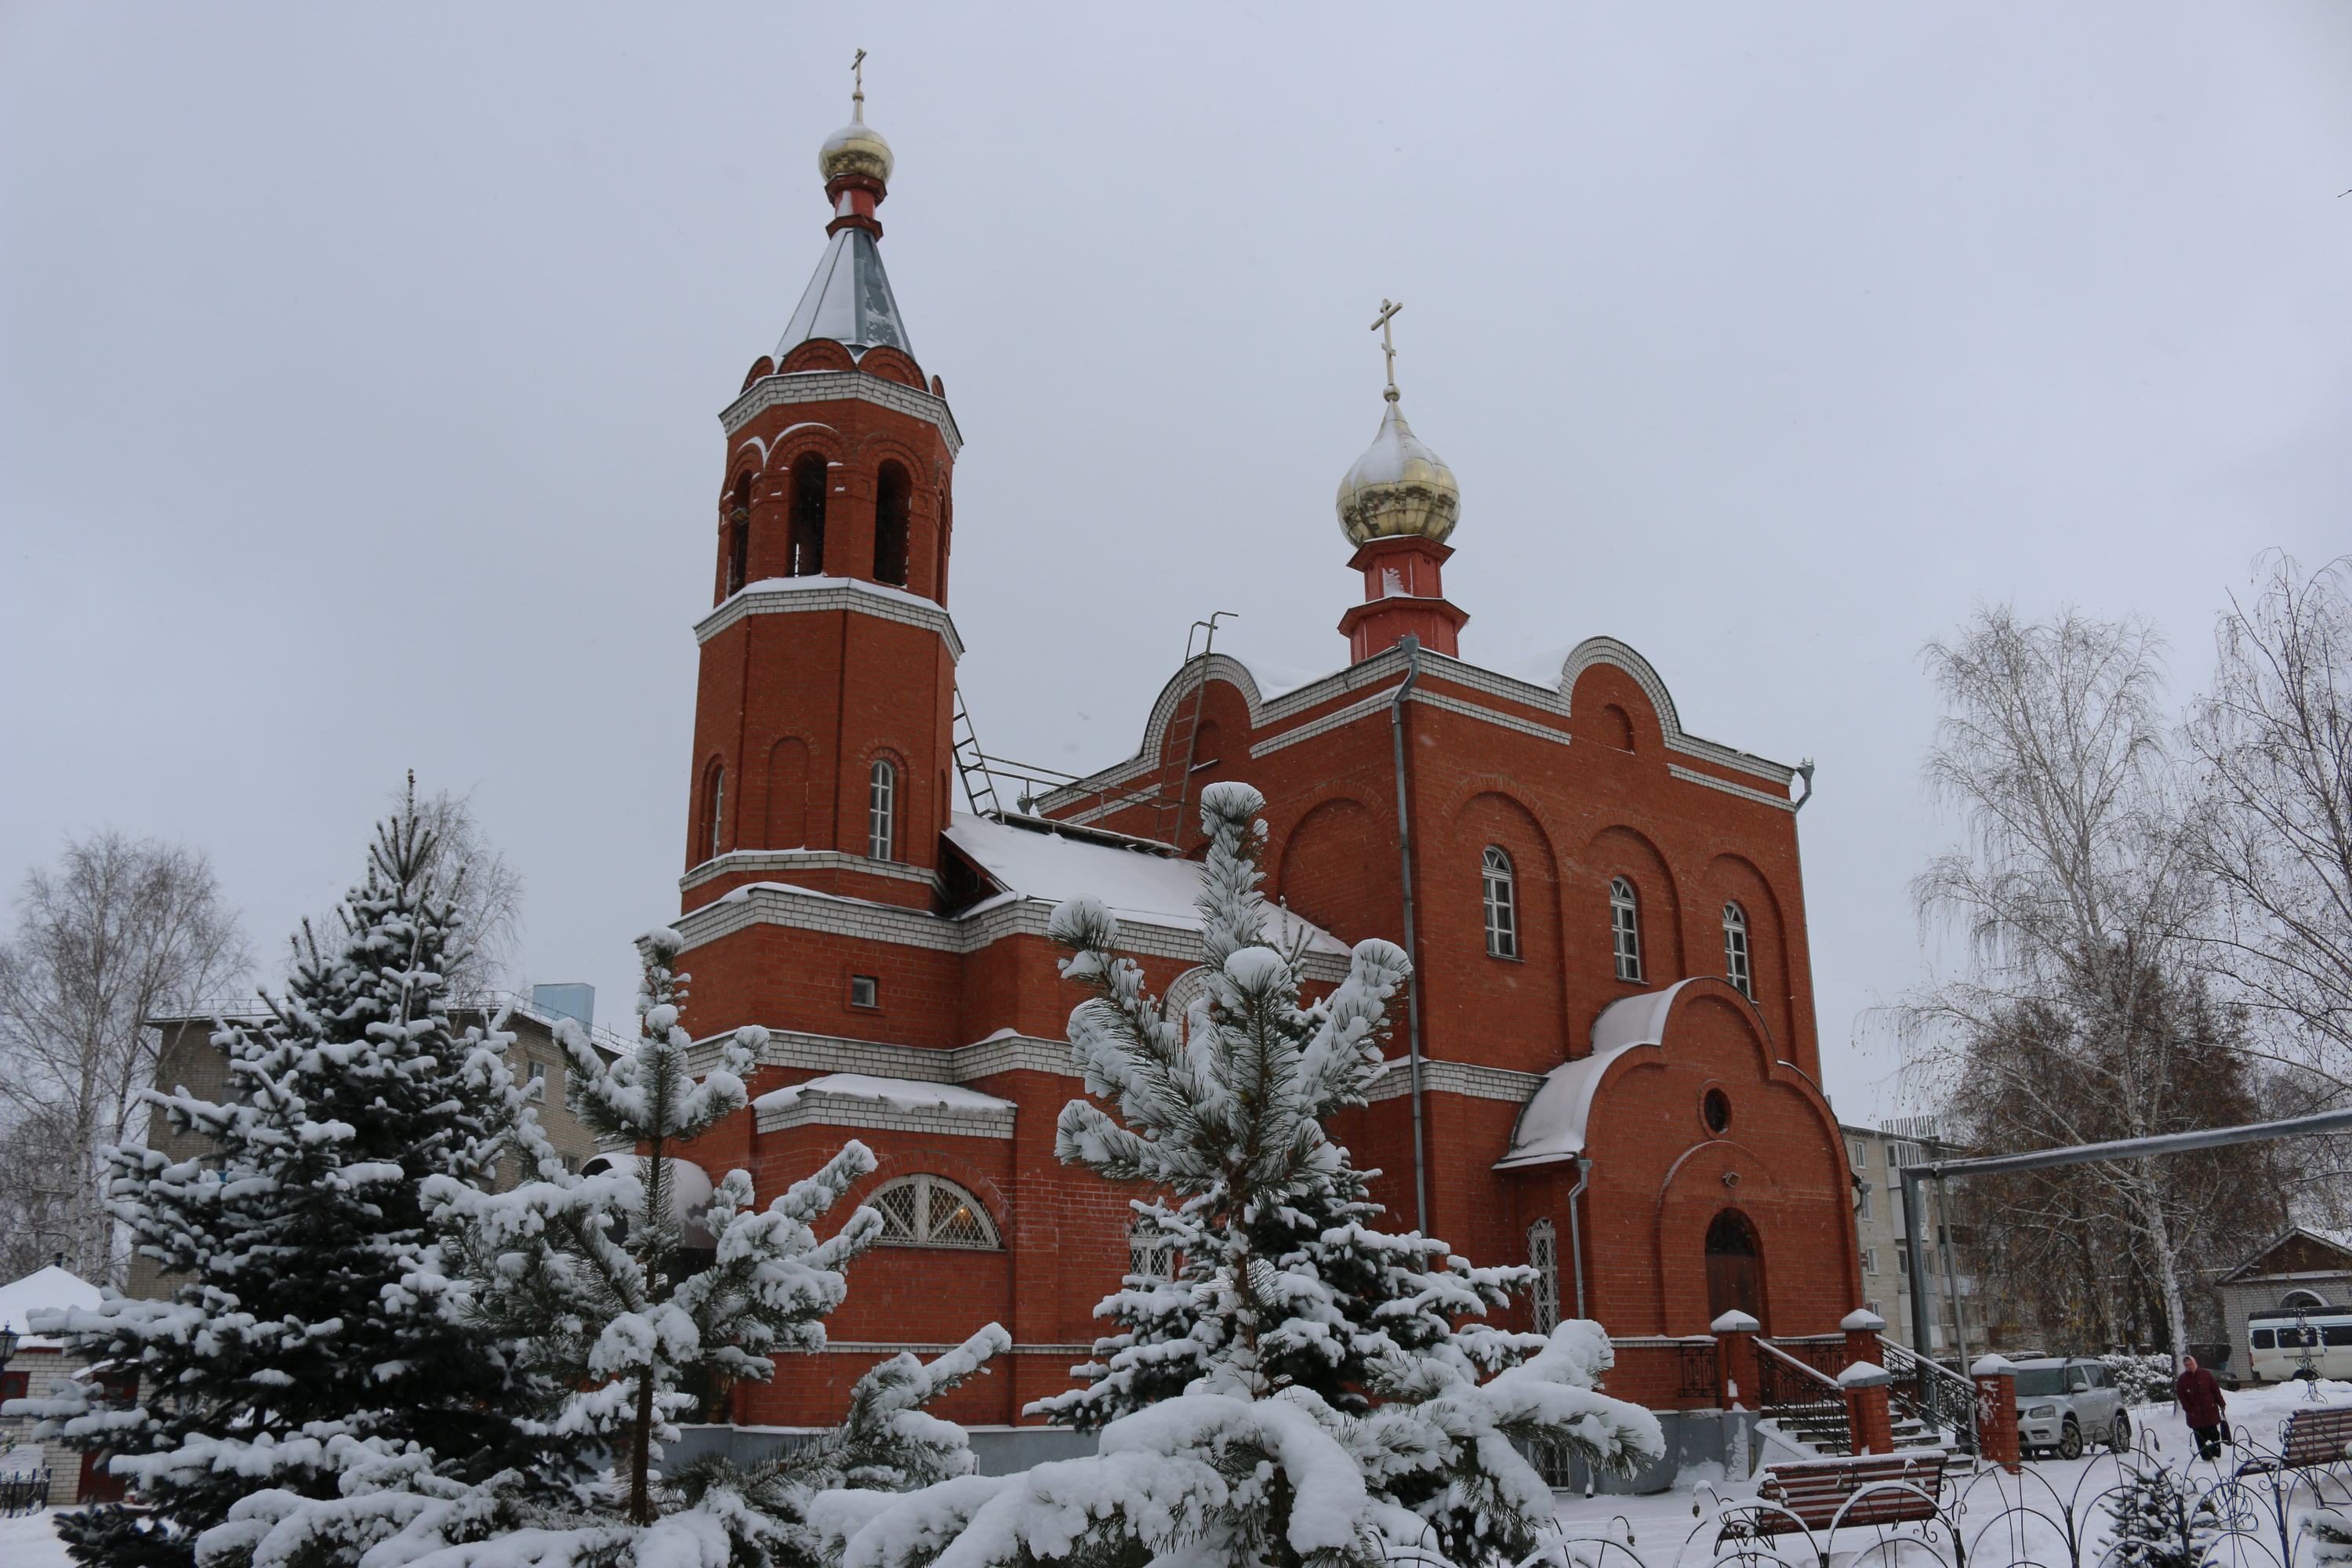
(789, 776)
(940, 1161)
(1612, 705)
(1338, 867)
(1731, 877)
(1620, 851)
(817, 353)
(891, 365)
(1522, 1004)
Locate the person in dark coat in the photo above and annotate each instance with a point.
(2202, 1404)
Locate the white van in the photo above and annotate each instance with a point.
(2288, 1341)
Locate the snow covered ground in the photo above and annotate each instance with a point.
(1659, 1530)
(31, 1543)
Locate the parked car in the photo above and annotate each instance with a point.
(2066, 1402)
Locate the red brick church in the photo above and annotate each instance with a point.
(1619, 1074)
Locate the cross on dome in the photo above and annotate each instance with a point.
(1399, 487)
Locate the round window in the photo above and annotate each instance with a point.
(1715, 1106)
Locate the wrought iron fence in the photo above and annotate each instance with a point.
(2247, 1508)
(1806, 1400)
(1700, 1368)
(24, 1491)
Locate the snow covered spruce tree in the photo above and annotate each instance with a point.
(1302, 1392)
(312, 1325)
(590, 1279)
(586, 1271)
(2162, 1520)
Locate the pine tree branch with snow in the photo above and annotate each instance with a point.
(1307, 1389)
(314, 1327)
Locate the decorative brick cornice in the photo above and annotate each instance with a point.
(1381, 669)
(817, 1108)
(778, 904)
(835, 386)
(736, 861)
(1468, 1080)
(1692, 776)
(811, 595)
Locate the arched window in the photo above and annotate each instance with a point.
(881, 808)
(1735, 950)
(894, 493)
(1151, 1251)
(1176, 1002)
(931, 1211)
(2303, 1298)
(738, 534)
(1625, 929)
(716, 797)
(1502, 905)
(808, 517)
(1543, 1295)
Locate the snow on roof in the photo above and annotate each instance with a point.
(1157, 890)
(897, 1093)
(1551, 1126)
(45, 1287)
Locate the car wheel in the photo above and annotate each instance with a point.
(2119, 1439)
(2069, 1441)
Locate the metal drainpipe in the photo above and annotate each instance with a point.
(1576, 1232)
(1411, 646)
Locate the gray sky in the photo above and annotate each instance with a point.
(359, 368)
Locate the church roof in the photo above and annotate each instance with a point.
(849, 299)
(2299, 1249)
(1153, 889)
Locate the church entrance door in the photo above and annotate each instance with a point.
(1734, 1268)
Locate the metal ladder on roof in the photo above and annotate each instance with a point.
(1184, 732)
(972, 764)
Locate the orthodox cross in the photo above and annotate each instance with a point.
(858, 83)
(1388, 342)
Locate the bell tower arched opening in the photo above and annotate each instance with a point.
(808, 517)
(1735, 1268)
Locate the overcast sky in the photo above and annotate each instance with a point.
(359, 367)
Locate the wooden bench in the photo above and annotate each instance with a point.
(2316, 1435)
(1873, 1489)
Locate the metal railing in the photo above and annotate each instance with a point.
(1931, 1394)
(1805, 1400)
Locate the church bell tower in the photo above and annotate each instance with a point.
(827, 680)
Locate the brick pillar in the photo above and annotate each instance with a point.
(1869, 1425)
(1734, 1357)
(1996, 1382)
(1863, 1328)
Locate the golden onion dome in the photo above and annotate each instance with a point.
(855, 149)
(1399, 487)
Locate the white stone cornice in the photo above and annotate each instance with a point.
(1468, 1080)
(811, 595)
(1692, 776)
(781, 904)
(834, 387)
(815, 1108)
(736, 861)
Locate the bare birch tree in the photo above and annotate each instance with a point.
(2273, 742)
(489, 890)
(2075, 893)
(118, 931)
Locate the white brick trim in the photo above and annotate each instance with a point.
(828, 593)
(834, 387)
(818, 1108)
(1692, 776)
(961, 1063)
(1469, 1080)
(738, 860)
(892, 1347)
(1471, 710)
(1338, 717)
(767, 903)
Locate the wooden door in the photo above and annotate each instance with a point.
(1734, 1268)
